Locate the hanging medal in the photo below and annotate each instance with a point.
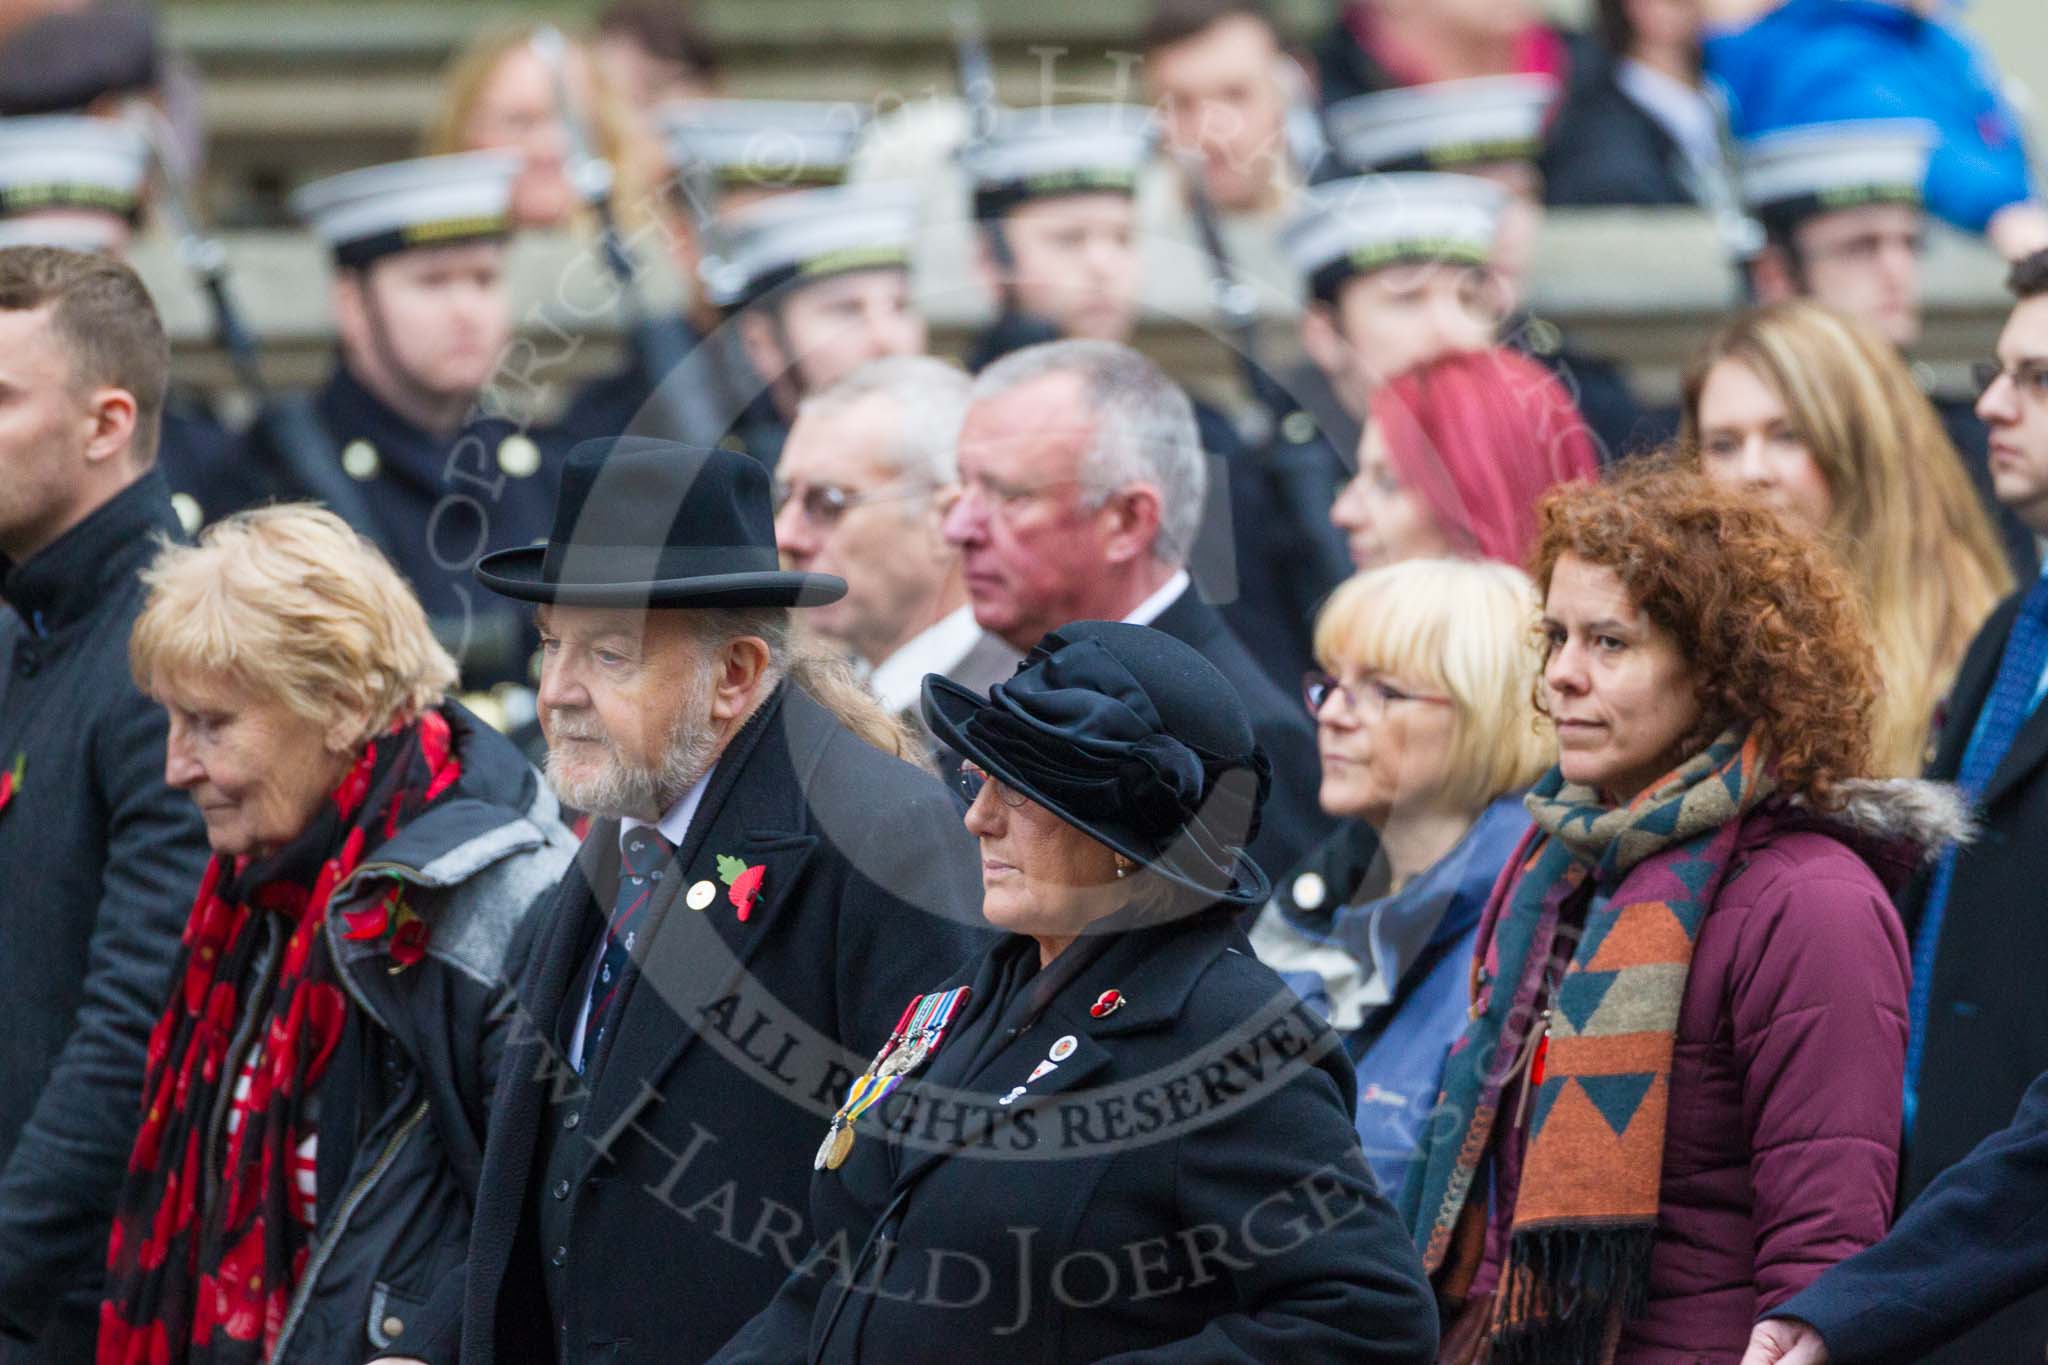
(916, 1036)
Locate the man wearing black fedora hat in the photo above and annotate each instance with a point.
(761, 884)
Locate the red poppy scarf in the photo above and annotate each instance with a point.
(209, 1236)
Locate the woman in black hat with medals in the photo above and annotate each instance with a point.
(1117, 1134)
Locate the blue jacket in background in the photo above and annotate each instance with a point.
(1818, 61)
(1392, 974)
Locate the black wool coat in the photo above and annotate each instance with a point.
(1292, 823)
(693, 1131)
(1972, 1244)
(99, 861)
(1987, 1034)
(1183, 1184)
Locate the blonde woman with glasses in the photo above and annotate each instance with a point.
(1427, 730)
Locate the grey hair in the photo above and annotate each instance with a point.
(930, 397)
(1144, 429)
(825, 674)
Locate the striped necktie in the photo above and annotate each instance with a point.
(643, 855)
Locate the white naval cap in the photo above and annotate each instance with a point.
(74, 231)
(777, 144)
(1443, 125)
(403, 205)
(1793, 173)
(1343, 228)
(71, 162)
(793, 239)
(1058, 149)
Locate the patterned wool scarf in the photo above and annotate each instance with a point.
(1592, 1166)
(207, 1246)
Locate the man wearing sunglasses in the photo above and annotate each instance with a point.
(1980, 942)
(859, 494)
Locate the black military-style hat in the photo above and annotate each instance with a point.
(647, 523)
(1133, 738)
(430, 201)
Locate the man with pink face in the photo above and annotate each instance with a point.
(1081, 487)
(414, 459)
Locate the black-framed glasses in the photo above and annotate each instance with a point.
(1370, 697)
(973, 777)
(824, 504)
(2029, 376)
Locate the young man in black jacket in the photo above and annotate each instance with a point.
(98, 857)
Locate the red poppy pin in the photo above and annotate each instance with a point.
(743, 883)
(10, 781)
(1109, 1002)
(389, 916)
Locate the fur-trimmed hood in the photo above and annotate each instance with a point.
(1896, 824)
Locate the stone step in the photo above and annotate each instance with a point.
(1639, 285)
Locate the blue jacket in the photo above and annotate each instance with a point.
(1391, 973)
(1868, 59)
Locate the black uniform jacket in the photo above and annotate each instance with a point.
(435, 505)
(680, 1158)
(1987, 1034)
(1182, 1184)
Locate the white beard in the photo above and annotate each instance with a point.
(620, 789)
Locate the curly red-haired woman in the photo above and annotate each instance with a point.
(1678, 1099)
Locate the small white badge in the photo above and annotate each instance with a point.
(360, 461)
(518, 456)
(1064, 1048)
(1012, 1097)
(1308, 891)
(700, 895)
(1040, 1070)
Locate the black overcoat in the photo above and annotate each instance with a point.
(1973, 1243)
(1183, 1185)
(99, 861)
(691, 1137)
(1987, 1034)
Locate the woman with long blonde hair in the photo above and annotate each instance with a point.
(498, 92)
(1820, 416)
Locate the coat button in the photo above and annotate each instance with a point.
(26, 662)
(560, 1258)
(393, 1326)
(574, 1118)
(561, 1189)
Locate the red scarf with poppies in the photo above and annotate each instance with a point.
(206, 1246)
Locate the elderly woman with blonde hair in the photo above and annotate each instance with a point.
(1425, 714)
(318, 1082)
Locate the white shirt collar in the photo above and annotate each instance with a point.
(899, 679)
(1147, 611)
(1686, 114)
(676, 823)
